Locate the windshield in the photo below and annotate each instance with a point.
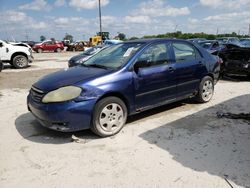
(113, 56)
(92, 50)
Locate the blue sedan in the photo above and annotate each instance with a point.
(122, 80)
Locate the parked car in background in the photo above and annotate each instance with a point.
(196, 40)
(17, 55)
(20, 44)
(48, 45)
(77, 46)
(245, 42)
(228, 40)
(122, 80)
(212, 46)
(84, 56)
(30, 43)
(236, 60)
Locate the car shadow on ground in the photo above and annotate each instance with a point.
(235, 78)
(30, 129)
(10, 67)
(206, 143)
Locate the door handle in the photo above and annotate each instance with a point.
(200, 63)
(171, 69)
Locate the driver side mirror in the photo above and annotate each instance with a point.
(141, 64)
(1, 44)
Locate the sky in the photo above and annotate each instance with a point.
(29, 19)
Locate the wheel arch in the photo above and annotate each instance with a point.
(118, 95)
(211, 75)
(18, 53)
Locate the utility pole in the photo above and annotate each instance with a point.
(27, 36)
(100, 18)
(175, 27)
(249, 30)
(217, 32)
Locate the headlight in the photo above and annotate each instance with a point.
(62, 94)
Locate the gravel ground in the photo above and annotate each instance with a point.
(179, 145)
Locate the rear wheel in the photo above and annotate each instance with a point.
(58, 50)
(20, 61)
(109, 117)
(206, 90)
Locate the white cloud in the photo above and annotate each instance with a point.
(87, 4)
(226, 23)
(37, 5)
(14, 20)
(13, 16)
(70, 22)
(39, 25)
(226, 4)
(158, 8)
(138, 19)
(59, 3)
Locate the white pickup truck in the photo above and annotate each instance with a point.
(17, 55)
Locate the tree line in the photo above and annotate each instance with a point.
(177, 34)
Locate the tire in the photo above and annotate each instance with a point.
(39, 50)
(58, 50)
(1, 66)
(109, 117)
(20, 61)
(206, 90)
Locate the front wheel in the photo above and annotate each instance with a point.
(20, 61)
(206, 90)
(109, 117)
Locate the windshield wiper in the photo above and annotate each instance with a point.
(97, 66)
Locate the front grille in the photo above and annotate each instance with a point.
(36, 94)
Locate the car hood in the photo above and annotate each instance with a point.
(69, 76)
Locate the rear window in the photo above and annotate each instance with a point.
(183, 52)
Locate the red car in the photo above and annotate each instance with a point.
(48, 45)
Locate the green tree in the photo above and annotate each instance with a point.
(122, 36)
(68, 37)
(133, 38)
(42, 38)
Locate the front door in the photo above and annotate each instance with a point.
(154, 76)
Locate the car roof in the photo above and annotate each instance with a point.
(151, 40)
(204, 41)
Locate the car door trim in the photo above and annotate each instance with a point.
(156, 90)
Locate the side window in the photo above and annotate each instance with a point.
(157, 54)
(48, 43)
(215, 45)
(184, 52)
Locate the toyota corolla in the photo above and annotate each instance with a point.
(122, 80)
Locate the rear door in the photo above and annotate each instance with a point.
(190, 67)
(154, 78)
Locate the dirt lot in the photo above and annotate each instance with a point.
(179, 145)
